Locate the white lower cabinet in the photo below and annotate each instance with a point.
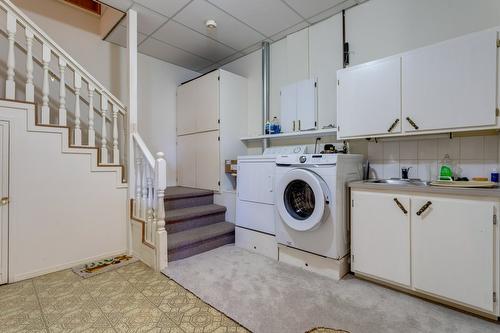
(444, 247)
(381, 229)
(453, 246)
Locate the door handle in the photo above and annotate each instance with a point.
(424, 208)
(412, 123)
(393, 125)
(400, 205)
(4, 201)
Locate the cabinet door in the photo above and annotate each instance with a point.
(288, 108)
(186, 160)
(453, 246)
(381, 236)
(369, 99)
(208, 167)
(198, 105)
(452, 84)
(306, 105)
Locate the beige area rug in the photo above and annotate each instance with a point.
(105, 265)
(266, 296)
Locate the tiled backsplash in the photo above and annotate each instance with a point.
(474, 156)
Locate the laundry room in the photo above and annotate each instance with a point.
(267, 166)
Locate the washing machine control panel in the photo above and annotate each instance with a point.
(307, 159)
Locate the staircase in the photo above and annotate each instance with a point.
(194, 223)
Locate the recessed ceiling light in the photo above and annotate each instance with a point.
(211, 24)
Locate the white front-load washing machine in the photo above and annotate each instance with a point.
(311, 201)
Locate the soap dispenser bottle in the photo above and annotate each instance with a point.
(446, 171)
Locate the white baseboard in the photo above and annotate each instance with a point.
(29, 275)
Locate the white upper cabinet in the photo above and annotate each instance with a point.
(198, 105)
(451, 84)
(299, 106)
(369, 99)
(453, 249)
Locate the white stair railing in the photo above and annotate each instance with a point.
(66, 67)
(149, 206)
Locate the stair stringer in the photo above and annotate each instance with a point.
(33, 125)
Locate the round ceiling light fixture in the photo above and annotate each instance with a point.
(211, 24)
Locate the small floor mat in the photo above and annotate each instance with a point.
(105, 265)
(326, 330)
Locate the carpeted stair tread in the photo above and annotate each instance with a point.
(200, 234)
(193, 212)
(180, 192)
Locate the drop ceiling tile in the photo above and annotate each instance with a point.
(165, 7)
(252, 48)
(147, 20)
(308, 8)
(332, 11)
(184, 38)
(229, 59)
(291, 30)
(119, 36)
(168, 53)
(267, 16)
(229, 30)
(122, 5)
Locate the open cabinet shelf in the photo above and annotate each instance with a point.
(303, 134)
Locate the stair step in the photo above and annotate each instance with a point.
(179, 220)
(193, 241)
(177, 197)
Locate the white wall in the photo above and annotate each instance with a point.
(77, 32)
(63, 210)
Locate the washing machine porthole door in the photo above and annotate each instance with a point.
(302, 203)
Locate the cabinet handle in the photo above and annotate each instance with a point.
(412, 123)
(299, 124)
(400, 205)
(393, 125)
(424, 208)
(293, 125)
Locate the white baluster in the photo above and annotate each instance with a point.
(104, 141)
(116, 151)
(30, 88)
(91, 115)
(161, 234)
(62, 92)
(144, 188)
(10, 84)
(46, 53)
(77, 130)
(138, 178)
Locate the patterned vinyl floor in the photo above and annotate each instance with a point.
(130, 299)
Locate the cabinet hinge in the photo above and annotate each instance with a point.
(218, 78)
(352, 203)
(494, 219)
(218, 121)
(498, 42)
(218, 138)
(338, 82)
(218, 183)
(315, 84)
(352, 258)
(315, 123)
(497, 112)
(494, 297)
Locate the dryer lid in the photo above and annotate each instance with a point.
(301, 199)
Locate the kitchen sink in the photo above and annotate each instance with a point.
(415, 182)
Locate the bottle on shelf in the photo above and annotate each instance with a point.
(275, 126)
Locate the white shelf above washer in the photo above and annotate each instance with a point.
(303, 134)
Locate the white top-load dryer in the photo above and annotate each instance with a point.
(311, 201)
(255, 186)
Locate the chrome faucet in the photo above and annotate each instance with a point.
(404, 172)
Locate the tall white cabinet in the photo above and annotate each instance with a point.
(211, 115)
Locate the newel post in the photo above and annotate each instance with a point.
(161, 233)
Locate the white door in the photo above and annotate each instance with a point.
(256, 181)
(198, 104)
(380, 229)
(306, 105)
(288, 96)
(208, 168)
(452, 84)
(453, 249)
(186, 160)
(4, 194)
(369, 99)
